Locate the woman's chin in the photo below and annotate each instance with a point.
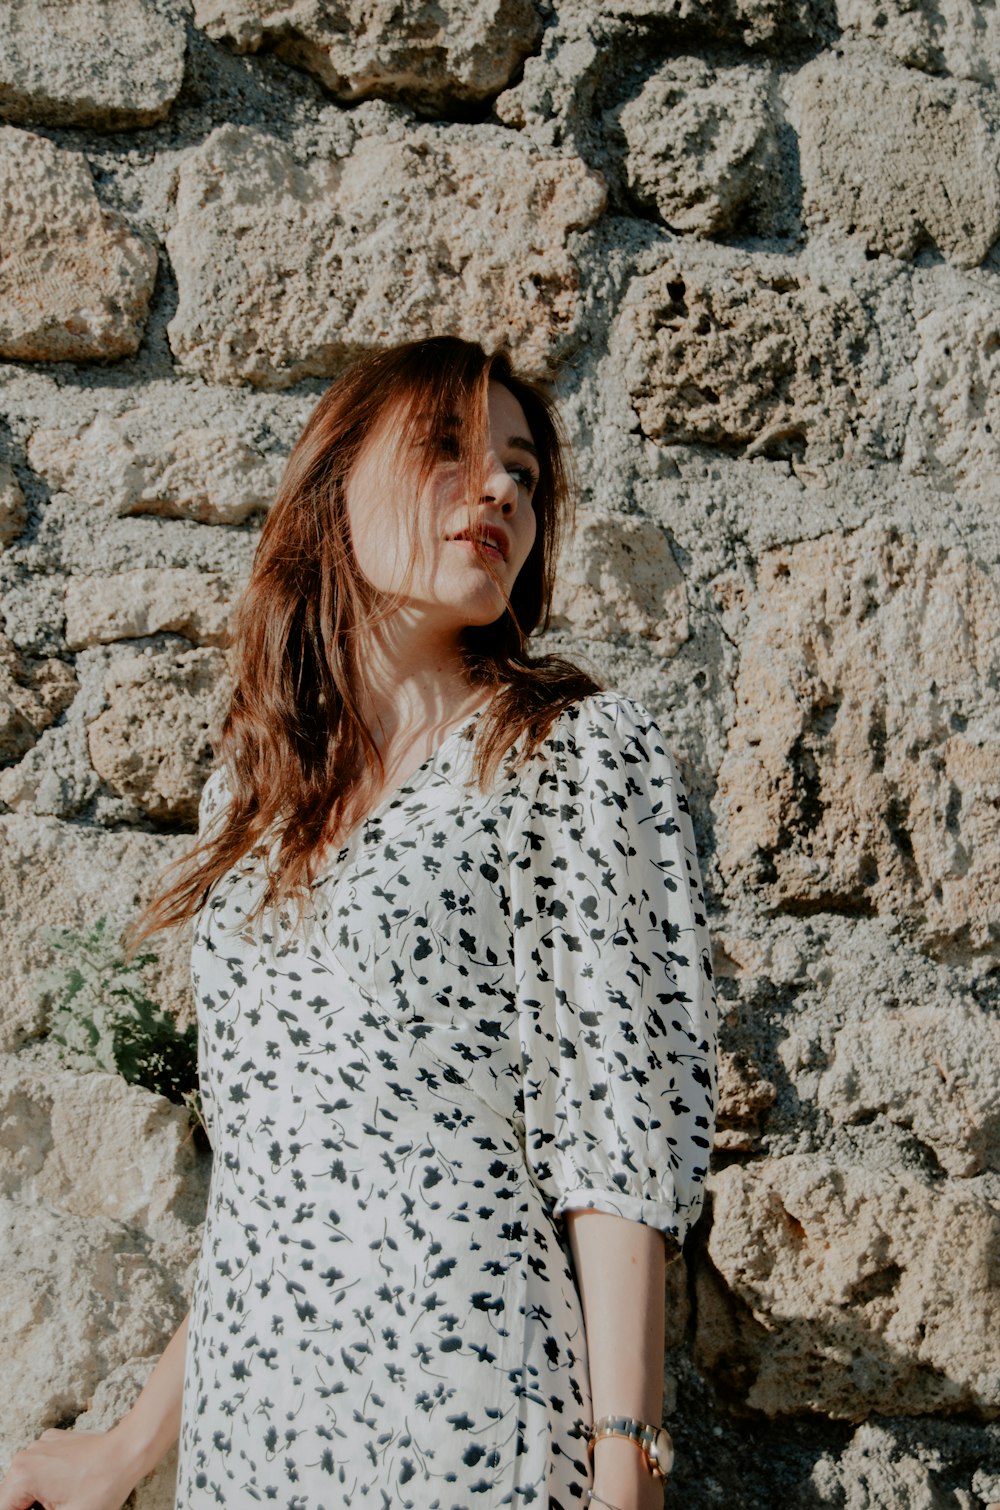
(483, 605)
(486, 615)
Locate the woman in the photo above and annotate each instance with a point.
(454, 1003)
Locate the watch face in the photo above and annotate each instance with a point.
(661, 1451)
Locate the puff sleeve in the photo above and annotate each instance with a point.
(612, 971)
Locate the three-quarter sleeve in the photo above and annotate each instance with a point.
(612, 971)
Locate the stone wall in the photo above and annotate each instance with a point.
(756, 242)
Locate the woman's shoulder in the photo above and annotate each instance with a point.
(595, 736)
(215, 795)
(606, 717)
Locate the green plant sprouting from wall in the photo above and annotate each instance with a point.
(103, 1017)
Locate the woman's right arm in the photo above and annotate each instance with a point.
(77, 1470)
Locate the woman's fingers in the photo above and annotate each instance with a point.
(21, 1489)
(65, 1470)
(17, 1491)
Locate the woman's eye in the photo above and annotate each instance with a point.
(441, 444)
(525, 476)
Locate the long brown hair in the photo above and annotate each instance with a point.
(294, 743)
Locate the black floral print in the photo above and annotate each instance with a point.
(498, 1008)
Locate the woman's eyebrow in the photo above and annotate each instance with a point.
(451, 422)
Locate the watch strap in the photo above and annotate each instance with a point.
(654, 1442)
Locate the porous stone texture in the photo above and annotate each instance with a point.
(91, 1145)
(933, 182)
(742, 356)
(431, 55)
(927, 1066)
(131, 464)
(882, 1050)
(81, 1297)
(478, 248)
(66, 875)
(700, 143)
(878, 1473)
(618, 576)
(75, 281)
(958, 37)
(32, 695)
(104, 63)
(129, 605)
(755, 247)
(13, 512)
(154, 742)
(874, 782)
(954, 433)
(859, 1292)
(745, 1096)
(100, 1195)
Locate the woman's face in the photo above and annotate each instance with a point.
(432, 544)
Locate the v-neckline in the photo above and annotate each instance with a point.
(411, 784)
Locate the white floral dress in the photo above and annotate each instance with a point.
(500, 1010)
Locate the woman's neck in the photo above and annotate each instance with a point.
(412, 686)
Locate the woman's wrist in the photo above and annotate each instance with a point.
(622, 1477)
(147, 1432)
(137, 1449)
(133, 1451)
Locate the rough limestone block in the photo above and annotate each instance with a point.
(555, 96)
(769, 24)
(850, 1291)
(701, 141)
(430, 54)
(137, 463)
(863, 767)
(928, 1068)
(33, 693)
(745, 1097)
(55, 779)
(153, 744)
(953, 436)
(960, 37)
(881, 1039)
(13, 510)
(67, 875)
(461, 231)
(104, 63)
(80, 1297)
(933, 179)
(618, 575)
(93, 1145)
(75, 281)
(735, 356)
(127, 605)
(876, 1474)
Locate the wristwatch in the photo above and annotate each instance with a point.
(654, 1442)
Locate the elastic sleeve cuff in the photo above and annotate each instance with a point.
(663, 1215)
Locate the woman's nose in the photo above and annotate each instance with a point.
(499, 486)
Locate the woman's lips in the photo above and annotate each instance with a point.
(481, 544)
